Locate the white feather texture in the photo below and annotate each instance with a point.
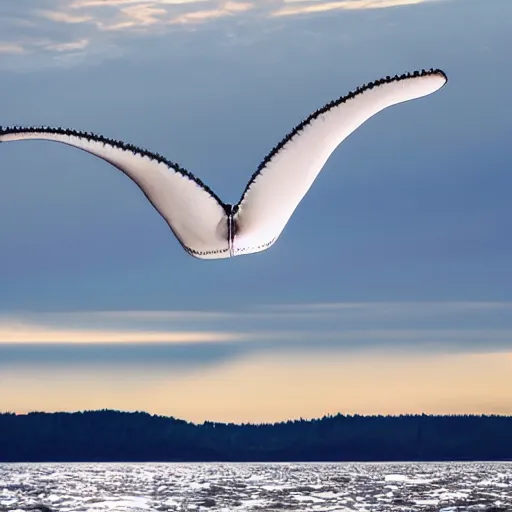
(193, 213)
(206, 227)
(289, 171)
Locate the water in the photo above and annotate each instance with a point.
(445, 487)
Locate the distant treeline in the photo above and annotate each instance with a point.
(121, 436)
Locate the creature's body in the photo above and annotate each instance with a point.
(208, 228)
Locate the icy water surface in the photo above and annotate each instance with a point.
(446, 487)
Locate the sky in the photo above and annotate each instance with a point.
(388, 292)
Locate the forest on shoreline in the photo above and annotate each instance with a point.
(115, 436)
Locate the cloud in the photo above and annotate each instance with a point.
(105, 23)
(228, 9)
(137, 16)
(12, 48)
(286, 310)
(379, 309)
(23, 333)
(67, 47)
(348, 327)
(320, 7)
(291, 310)
(63, 17)
(81, 4)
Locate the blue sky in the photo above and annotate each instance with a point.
(398, 255)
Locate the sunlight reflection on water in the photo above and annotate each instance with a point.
(270, 487)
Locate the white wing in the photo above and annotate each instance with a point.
(287, 173)
(193, 212)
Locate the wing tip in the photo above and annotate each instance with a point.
(433, 72)
(420, 73)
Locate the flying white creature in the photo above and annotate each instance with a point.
(205, 226)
